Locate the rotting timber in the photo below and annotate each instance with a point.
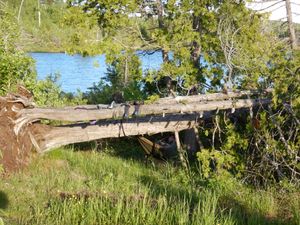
(21, 130)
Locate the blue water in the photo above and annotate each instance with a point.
(79, 73)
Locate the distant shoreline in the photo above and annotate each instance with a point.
(43, 51)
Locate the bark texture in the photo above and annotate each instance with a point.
(20, 129)
(59, 136)
(73, 115)
(293, 40)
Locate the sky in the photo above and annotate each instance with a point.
(278, 11)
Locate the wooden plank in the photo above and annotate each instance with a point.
(153, 109)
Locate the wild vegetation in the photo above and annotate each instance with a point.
(18, 68)
(207, 50)
(247, 170)
(115, 186)
(42, 25)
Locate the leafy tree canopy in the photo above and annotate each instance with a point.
(15, 66)
(212, 42)
(207, 46)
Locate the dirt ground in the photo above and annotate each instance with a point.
(15, 150)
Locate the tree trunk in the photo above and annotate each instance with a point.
(293, 40)
(201, 98)
(18, 131)
(27, 115)
(196, 48)
(189, 136)
(180, 150)
(46, 138)
(161, 25)
(39, 13)
(20, 10)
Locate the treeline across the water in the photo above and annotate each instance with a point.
(50, 25)
(43, 24)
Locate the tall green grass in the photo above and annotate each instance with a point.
(71, 187)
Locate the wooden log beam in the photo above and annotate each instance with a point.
(208, 97)
(186, 99)
(63, 135)
(118, 112)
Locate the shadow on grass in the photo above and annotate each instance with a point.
(227, 206)
(3, 200)
(170, 191)
(174, 194)
(244, 214)
(125, 148)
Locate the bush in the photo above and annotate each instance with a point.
(262, 147)
(15, 66)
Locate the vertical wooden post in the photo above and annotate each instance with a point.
(126, 71)
(198, 138)
(180, 150)
(178, 145)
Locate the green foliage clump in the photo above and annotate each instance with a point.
(15, 66)
(47, 26)
(83, 33)
(18, 68)
(262, 149)
(122, 81)
(48, 93)
(228, 147)
(194, 46)
(152, 98)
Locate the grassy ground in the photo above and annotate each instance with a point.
(117, 187)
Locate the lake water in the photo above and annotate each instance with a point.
(77, 72)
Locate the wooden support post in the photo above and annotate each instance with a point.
(198, 138)
(180, 150)
(178, 145)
